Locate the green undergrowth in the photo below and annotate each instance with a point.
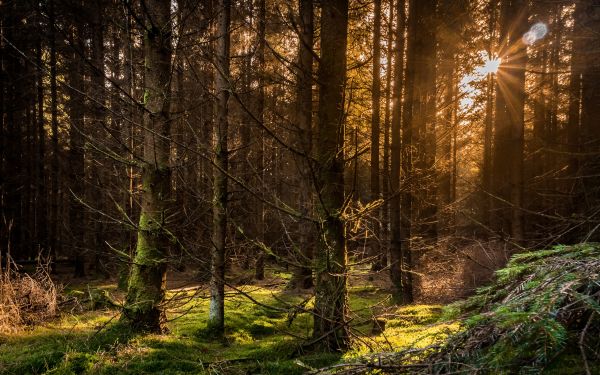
(258, 339)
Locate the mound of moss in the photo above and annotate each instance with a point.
(541, 315)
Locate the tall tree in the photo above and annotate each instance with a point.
(330, 309)
(375, 132)
(420, 113)
(55, 167)
(302, 275)
(97, 129)
(216, 314)
(574, 112)
(451, 15)
(399, 233)
(509, 119)
(590, 113)
(76, 110)
(489, 119)
(259, 273)
(385, 217)
(143, 308)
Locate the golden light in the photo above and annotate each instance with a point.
(491, 65)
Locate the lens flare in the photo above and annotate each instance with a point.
(491, 65)
(535, 33)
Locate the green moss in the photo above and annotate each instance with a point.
(255, 341)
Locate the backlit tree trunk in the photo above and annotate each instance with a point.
(509, 119)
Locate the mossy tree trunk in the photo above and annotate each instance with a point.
(216, 314)
(330, 328)
(143, 308)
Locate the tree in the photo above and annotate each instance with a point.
(259, 273)
(216, 315)
(302, 275)
(420, 116)
(76, 109)
(375, 132)
(143, 308)
(486, 174)
(400, 282)
(330, 327)
(451, 15)
(385, 217)
(509, 120)
(590, 113)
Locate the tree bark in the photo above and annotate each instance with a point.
(330, 328)
(143, 310)
(509, 120)
(590, 113)
(421, 115)
(216, 315)
(385, 216)
(375, 247)
(76, 170)
(452, 14)
(486, 174)
(302, 272)
(259, 273)
(55, 167)
(400, 232)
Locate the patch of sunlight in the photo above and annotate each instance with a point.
(407, 327)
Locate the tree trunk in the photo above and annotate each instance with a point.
(509, 121)
(55, 168)
(452, 14)
(41, 188)
(259, 273)
(402, 284)
(216, 315)
(143, 308)
(97, 130)
(486, 174)
(574, 186)
(421, 115)
(330, 326)
(302, 273)
(385, 216)
(75, 108)
(590, 113)
(375, 134)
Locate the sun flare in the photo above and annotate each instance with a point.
(491, 65)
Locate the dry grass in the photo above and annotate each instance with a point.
(26, 299)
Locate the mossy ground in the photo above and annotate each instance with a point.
(258, 339)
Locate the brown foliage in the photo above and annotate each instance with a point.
(26, 299)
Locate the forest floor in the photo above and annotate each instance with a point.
(262, 336)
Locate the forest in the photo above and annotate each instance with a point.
(299, 186)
